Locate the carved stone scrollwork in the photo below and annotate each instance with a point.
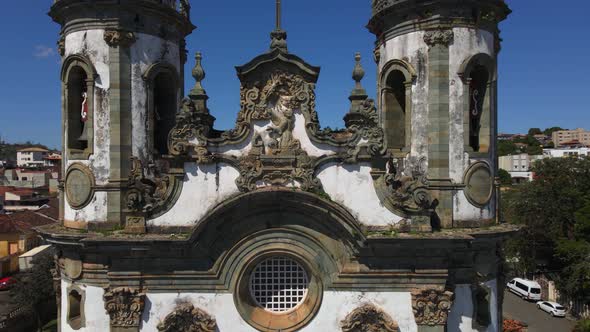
(116, 38)
(61, 46)
(368, 318)
(187, 318)
(439, 37)
(404, 187)
(148, 191)
(124, 306)
(431, 307)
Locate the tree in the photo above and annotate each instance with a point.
(582, 326)
(549, 131)
(534, 150)
(506, 148)
(34, 288)
(535, 131)
(554, 210)
(505, 178)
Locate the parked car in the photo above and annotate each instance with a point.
(7, 283)
(553, 308)
(526, 289)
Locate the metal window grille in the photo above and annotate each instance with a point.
(278, 284)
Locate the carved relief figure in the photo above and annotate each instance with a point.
(431, 307)
(187, 318)
(368, 318)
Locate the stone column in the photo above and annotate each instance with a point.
(119, 42)
(439, 121)
(431, 308)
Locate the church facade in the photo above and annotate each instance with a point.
(279, 224)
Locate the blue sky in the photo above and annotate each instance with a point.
(544, 75)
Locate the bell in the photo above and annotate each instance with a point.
(84, 136)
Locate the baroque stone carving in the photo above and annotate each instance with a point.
(148, 190)
(439, 37)
(61, 46)
(187, 318)
(368, 318)
(431, 307)
(124, 306)
(404, 187)
(116, 38)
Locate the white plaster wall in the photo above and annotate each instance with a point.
(461, 314)
(146, 51)
(96, 317)
(95, 211)
(463, 210)
(467, 42)
(412, 49)
(204, 187)
(91, 44)
(335, 306)
(352, 186)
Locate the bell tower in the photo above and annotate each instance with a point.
(122, 79)
(437, 96)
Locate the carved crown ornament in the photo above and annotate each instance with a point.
(275, 156)
(368, 318)
(117, 37)
(443, 37)
(124, 306)
(187, 318)
(431, 306)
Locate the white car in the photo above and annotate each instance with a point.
(553, 308)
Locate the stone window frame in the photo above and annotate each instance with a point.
(267, 321)
(79, 323)
(68, 64)
(149, 78)
(410, 76)
(487, 118)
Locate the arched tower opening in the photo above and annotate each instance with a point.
(164, 110)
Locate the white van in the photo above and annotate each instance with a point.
(526, 289)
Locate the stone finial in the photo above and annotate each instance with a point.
(358, 73)
(198, 74)
(278, 37)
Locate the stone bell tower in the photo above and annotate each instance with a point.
(437, 86)
(122, 77)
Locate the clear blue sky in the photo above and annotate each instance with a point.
(544, 66)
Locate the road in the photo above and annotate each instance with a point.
(538, 321)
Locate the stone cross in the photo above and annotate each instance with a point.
(278, 14)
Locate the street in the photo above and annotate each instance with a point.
(538, 321)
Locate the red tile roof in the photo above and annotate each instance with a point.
(23, 222)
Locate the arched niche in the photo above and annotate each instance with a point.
(162, 87)
(478, 74)
(75, 310)
(396, 104)
(78, 81)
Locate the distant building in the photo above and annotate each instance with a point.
(52, 159)
(519, 166)
(23, 199)
(26, 178)
(17, 236)
(567, 152)
(562, 136)
(31, 157)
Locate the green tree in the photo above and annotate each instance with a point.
(535, 131)
(549, 131)
(534, 150)
(34, 288)
(582, 326)
(505, 178)
(506, 148)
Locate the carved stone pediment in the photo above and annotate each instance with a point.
(368, 318)
(187, 318)
(124, 306)
(431, 306)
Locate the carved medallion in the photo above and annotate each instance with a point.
(439, 37)
(116, 38)
(79, 185)
(187, 318)
(368, 318)
(479, 184)
(124, 306)
(431, 307)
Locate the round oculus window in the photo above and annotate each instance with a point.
(279, 284)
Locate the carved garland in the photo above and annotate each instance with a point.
(368, 318)
(431, 307)
(124, 306)
(187, 318)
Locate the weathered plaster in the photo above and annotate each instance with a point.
(95, 211)
(467, 42)
(412, 48)
(204, 187)
(96, 318)
(461, 314)
(146, 51)
(352, 186)
(335, 306)
(465, 211)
